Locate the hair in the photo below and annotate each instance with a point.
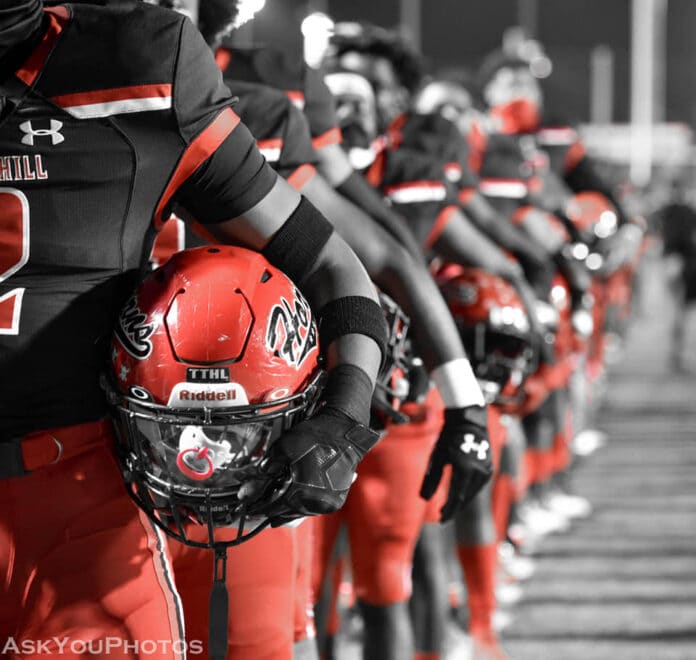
(216, 18)
(495, 61)
(379, 42)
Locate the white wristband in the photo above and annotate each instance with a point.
(457, 384)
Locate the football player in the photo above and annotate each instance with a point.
(415, 184)
(111, 118)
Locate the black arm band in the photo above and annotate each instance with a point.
(295, 247)
(349, 389)
(352, 315)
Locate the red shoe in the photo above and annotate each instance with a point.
(485, 646)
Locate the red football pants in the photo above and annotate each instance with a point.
(384, 511)
(82, 570)
(268, 588)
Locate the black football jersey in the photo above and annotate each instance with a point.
(279, 127)
(118, 114)
(303, 85)
(563, 146)
(439, 137)
(283, 138)
(415, 185)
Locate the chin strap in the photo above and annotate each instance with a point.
(218, 609)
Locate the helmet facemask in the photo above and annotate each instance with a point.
(185, 467)
(392, 384)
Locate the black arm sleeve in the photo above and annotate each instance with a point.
(235, 178)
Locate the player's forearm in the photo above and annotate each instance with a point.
(339, 274)
(462, 243)
(503, 232)
(295, 237)
(357, 190)
(406, 280)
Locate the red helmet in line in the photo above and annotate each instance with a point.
(213, 357)
(494, 326)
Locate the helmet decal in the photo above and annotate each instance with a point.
(139, 393)
(208, 375)
(291, 333)
(132, 331)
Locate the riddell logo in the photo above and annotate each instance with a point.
(229, 395)
(207, 395)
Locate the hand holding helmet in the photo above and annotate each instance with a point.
(312, 466)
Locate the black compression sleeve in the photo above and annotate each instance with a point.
(296, 245)
(349, 389)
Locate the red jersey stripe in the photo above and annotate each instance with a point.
(58, 18)
(223, 57)
(332, 136)
(195, 155)
(301, 175)
(270, 149)
(442, 220)
(106, 102)
(465, 194)
(297, 97)
(412, 192)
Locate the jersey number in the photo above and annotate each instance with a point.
(14, 253)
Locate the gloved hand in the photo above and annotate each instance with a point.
(310, 468)
(463, 444)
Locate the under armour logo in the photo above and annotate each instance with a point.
(31, 133)
(481, 448)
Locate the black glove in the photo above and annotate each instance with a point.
(311, 467)
(463, 444)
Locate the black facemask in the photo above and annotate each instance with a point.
(18, 22)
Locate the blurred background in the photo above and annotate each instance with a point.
(623, 585)
(621, 70)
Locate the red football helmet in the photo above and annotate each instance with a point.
(595, 218)
(494, 326)
(213, 357)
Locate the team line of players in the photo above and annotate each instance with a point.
(479, 222)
